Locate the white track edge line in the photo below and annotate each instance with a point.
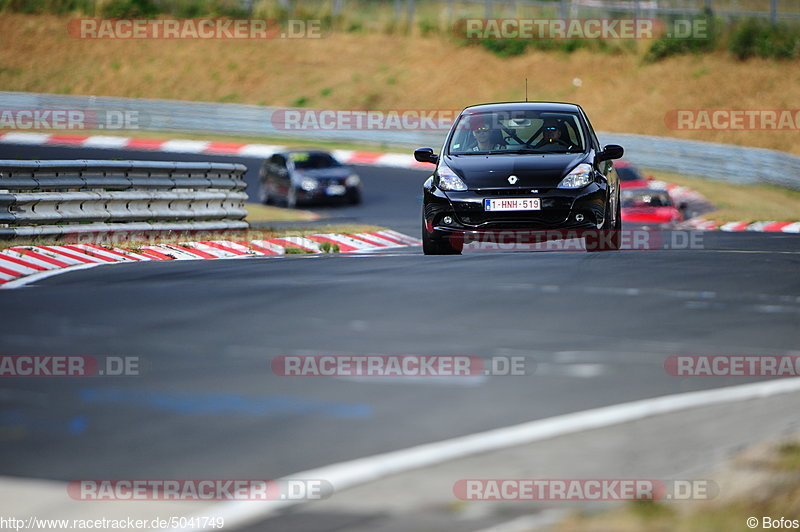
(23, 281)
(347, 474)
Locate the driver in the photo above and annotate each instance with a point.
(554, 134)
(485, 136)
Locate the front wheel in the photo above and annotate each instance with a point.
(291, 198)
(263, 194)
(432, 245)
(354, 197)
(608, 238)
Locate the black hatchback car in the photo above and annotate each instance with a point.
(307, 176)
(531, 166)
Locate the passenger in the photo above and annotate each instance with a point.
(485, 137)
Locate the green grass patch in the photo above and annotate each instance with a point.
(291, 250)
(768, 494)
(257, 212)
(758, 38)
(328, 247)
(302, 101)
(706, 40)
(788, 457)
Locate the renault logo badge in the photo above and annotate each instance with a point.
(512, 179)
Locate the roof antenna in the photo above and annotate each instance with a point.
(526, 89)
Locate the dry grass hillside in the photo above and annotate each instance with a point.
(378, 71)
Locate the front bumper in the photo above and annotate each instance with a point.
(559, 209)
(321, 194)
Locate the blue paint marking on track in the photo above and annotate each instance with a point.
(17, 418)
(78, 425)
(223, 404)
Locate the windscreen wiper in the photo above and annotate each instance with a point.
(518, 151)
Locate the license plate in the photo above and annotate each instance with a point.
(335, 190)
(512, 204)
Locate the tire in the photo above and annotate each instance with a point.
(263, 194)
(354, 197)
(614, 241)
(439, 246)
(291, 198)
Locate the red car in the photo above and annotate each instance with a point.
(649, 207)
(630, 176)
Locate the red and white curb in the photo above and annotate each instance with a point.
(20, 265)
(758, 227)
(397, 160)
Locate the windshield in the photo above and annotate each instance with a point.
(517, 132)
(312, 161)
(646, 199)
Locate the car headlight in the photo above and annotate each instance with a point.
(448, 180)
(308, 184)
(352, 180)
(580, 176)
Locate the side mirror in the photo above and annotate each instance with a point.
(426, 155)
(610, 151)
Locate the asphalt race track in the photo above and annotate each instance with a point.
(594, 328)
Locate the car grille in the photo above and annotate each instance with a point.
(509, 192)
(515, 218)
(326, 181)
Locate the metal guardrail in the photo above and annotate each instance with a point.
(734, 164)
(771, 9)
(48, 198)
(583, 8)
(722, 162)
(200, 117)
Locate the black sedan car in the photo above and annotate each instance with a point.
(307, 176)
(529, 166)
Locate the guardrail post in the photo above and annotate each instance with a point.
(449, 15)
